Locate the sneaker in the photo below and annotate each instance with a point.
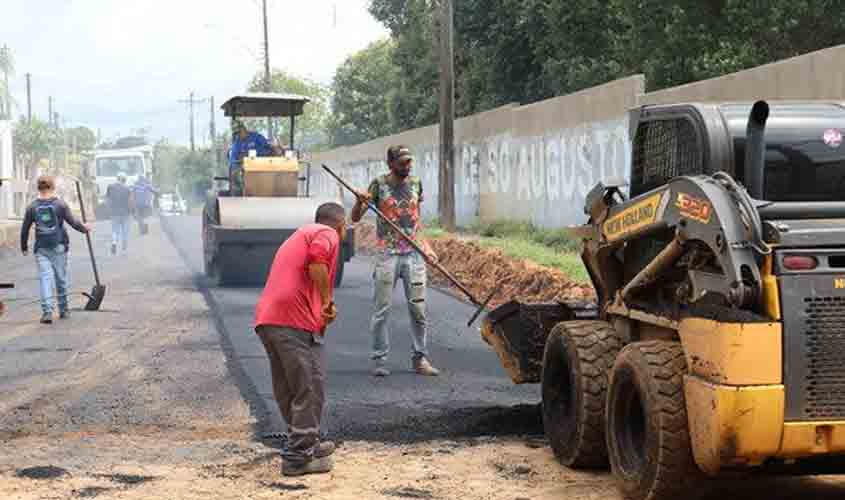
(324, 449)
(423, 367)
(314, 466)
(64, 314)
(47, 318)
(380, 369)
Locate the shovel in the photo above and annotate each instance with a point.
(95, 298)
(482, 306)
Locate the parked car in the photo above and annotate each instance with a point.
(172, 203)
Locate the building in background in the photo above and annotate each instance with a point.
(13, 192)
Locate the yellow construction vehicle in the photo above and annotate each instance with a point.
(718, 340)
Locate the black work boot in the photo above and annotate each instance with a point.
(64, 314)
(47, 318)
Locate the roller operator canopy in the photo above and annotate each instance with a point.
(261, 104)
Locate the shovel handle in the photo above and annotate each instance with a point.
(87, 234)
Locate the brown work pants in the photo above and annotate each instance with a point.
(298, 368)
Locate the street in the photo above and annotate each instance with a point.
(165, 393)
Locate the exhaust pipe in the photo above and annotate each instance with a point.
(755, 149)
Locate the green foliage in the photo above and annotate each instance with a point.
(364, 96)
(177, 168)
(556, 239)
(34, 141)
(553, 248)
(518, 248)
(196, 173)
(85, 138)
(527, 50)
(312, 126)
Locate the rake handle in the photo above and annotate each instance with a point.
(410, 241)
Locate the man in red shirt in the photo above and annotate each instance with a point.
(291, 318)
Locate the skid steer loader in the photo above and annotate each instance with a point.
(717, 343)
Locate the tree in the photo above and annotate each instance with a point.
(527, 50)
(85, 138)
(33, 142)
(365, 95)
(311, 127)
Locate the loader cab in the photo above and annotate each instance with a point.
(804, 152)
(804, 156)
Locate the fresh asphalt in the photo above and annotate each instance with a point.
(472, 397)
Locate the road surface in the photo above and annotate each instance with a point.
(165, 394)
(472, 397)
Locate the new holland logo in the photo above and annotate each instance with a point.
(633, 218)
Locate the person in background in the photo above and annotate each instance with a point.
(48, 213)
(244, 141)
(142, 195)
(119, 200)
(399, 196)
(291, 318)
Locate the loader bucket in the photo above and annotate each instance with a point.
(518, 332)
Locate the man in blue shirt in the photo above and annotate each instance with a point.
(143, 192)
(242, 142)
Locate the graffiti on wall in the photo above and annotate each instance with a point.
(542, 179)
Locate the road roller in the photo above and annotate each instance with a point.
(262, 201)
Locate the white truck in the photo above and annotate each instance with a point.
(132, 162)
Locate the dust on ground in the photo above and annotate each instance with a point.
(482, 269)
(195, 466)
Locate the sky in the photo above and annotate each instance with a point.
(122, 65)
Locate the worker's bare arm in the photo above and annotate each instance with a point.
(319, 274)
(362, 200)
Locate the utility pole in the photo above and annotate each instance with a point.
(214, 137)
(447, 118)
(267, 86)
(191, 101)
(50, 110)
(28, 98)
(193, 146)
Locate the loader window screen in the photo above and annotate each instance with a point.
(807, 171)
(110, 167)
(664, 149)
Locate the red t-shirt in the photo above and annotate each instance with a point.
(290, 299)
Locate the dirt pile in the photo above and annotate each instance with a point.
(481, 269)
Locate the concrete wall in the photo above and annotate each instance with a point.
(537, 162)
(817, 75)
(533, 163)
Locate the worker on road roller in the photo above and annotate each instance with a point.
(244, 141)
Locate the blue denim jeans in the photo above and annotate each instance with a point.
(120, 231)
(410, 268)
(52, 270)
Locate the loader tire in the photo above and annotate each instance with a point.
(576, 363)
(647, 428)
